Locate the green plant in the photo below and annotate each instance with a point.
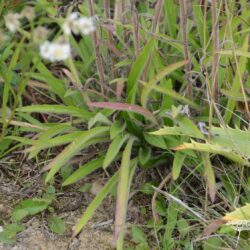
(136, 105)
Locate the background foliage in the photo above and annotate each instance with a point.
(155, 90)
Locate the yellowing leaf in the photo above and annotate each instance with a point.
(242, 213)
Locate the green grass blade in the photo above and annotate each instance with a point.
(239, 75)
(170, 16)
(56, 85)
(84, 170)
(8, 76)
(136, 71)
(210, 176)
(177, 164)
(152, 83)
(77, 145)
(123, 194)
(57, 109)
(95, 204)
(114, 149)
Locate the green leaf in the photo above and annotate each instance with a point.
(138, 235)
(123, 194)
(210, 176)
(144, 155)
(175, 95)
(72, 149)
(59, 140)
(116, 128)
(172, 215)
(8, 235)
(236, 85)
(187, 127)
(181, 130)
(146, 188)
(84, 170)
(98, 118)
(114, 149)
(183, 226)
(170, 16)
(29, 207)
(65, 172)
(56, 85)
(57, 225)
(57, 109)
(213, 148)
(177, 164)
(239, 214)
(235, 52)
(95, 204)
(85, 188)
(235, 139)
(156, 141)
(142, 246)
(150, 85)
(136, 71)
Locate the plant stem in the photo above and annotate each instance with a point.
(135, 28)
(215, 51)
(77, 81)
(183, 19)
(159, 7)
(99, 62)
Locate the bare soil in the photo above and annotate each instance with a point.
(98, 234)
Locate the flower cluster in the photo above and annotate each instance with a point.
(77, 24)
(60, 50)
(12, 20)
(55, 51)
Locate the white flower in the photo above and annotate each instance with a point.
(28, 12)
(71, 24)
(77, 24)
(55, 51)
(86, 25)
(1, 229)
(12, 21)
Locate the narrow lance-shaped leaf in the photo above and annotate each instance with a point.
(213, 148)
(124, 107)
(60, 141)
(77, 145)
(149, 86)
(237, 219)
(232, 139)
(136, 71)
(210, 177)
(84, 170)
(175, 95)
(177, 164)
(57, 109)
(114, 149)
(95, 204)
(236, 52)
(122, 193)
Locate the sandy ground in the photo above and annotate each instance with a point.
(98, 234)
